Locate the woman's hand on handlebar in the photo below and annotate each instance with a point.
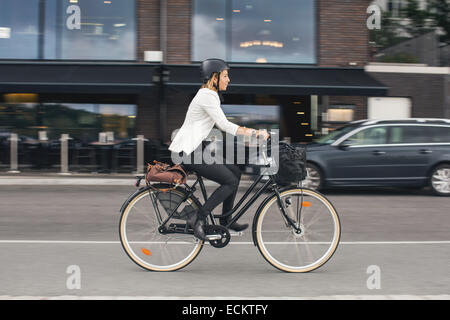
(263, 133)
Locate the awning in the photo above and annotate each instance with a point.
(137, 78)
(284, 80)
(76, 77)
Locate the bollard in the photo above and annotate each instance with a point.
(140, 154)
(65, 154)
(14, 163)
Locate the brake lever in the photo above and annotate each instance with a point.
(138, 181)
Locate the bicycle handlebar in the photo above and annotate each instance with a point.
(265, 143)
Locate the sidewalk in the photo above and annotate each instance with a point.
(113, 179)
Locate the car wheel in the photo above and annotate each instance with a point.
(440, 180)
(313, 178)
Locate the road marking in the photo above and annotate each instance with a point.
(334, 297)
(232, 242)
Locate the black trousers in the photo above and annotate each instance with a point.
(227, 175)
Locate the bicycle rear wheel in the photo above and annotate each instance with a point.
(141, 238)
(292, 251)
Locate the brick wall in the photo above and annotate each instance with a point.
(427, 91)
(343, 34)
(179, 31)
(177, 106)
(148, 115)
(148, 27)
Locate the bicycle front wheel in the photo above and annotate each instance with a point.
(142, 240)
(302, 250)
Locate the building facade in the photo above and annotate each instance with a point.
(131, 67)
(415, 91)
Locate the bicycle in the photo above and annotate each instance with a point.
(295, 229)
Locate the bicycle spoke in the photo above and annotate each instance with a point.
(308, 249)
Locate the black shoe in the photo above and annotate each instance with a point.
(235, 226)
(197, 224)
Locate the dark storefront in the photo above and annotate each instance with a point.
(87, 99)
(297, 91)
(43, 100)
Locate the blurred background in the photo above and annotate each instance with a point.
(104, 72)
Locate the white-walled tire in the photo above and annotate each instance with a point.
(291, 251)
(145, 245)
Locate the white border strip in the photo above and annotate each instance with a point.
(331, 297)
(407, 69)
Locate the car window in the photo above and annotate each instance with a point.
(335, 134)
(419, 134)
(369, 136)
(408, 134)
(439, 134)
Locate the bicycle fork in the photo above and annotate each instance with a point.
(287, 220)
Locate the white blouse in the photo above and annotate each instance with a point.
(203, 112)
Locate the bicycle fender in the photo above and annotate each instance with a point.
(263, 203)
(162, 185)
(131, 198)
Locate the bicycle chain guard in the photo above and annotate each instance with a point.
(220, 230)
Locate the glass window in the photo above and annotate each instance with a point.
(419, 134)
(253, 116)
(81, 121)
(106, 30)
(19, 29)
(208, 25)
(335, 134)
(261, 31)
(340, 113)
(71, 29)
(439, 134)
(370, 136)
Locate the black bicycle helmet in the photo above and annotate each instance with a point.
(209, 66)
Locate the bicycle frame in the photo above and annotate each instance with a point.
(269, 183)
(266, 185)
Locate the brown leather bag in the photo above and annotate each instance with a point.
(163, 172)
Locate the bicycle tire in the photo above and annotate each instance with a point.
(146, 258)
(269, 225)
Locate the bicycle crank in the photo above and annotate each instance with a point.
(218, 236)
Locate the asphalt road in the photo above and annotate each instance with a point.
(401, 237)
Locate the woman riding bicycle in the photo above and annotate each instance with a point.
(203, 113)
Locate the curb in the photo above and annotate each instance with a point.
(89, 180)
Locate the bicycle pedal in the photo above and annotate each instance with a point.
(236, 233)
(213, 237)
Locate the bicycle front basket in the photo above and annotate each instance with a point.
(292, 164)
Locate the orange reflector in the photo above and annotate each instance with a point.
(146, 252)
(306, 204)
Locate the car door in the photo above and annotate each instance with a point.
(410, 152)
(361, 158)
